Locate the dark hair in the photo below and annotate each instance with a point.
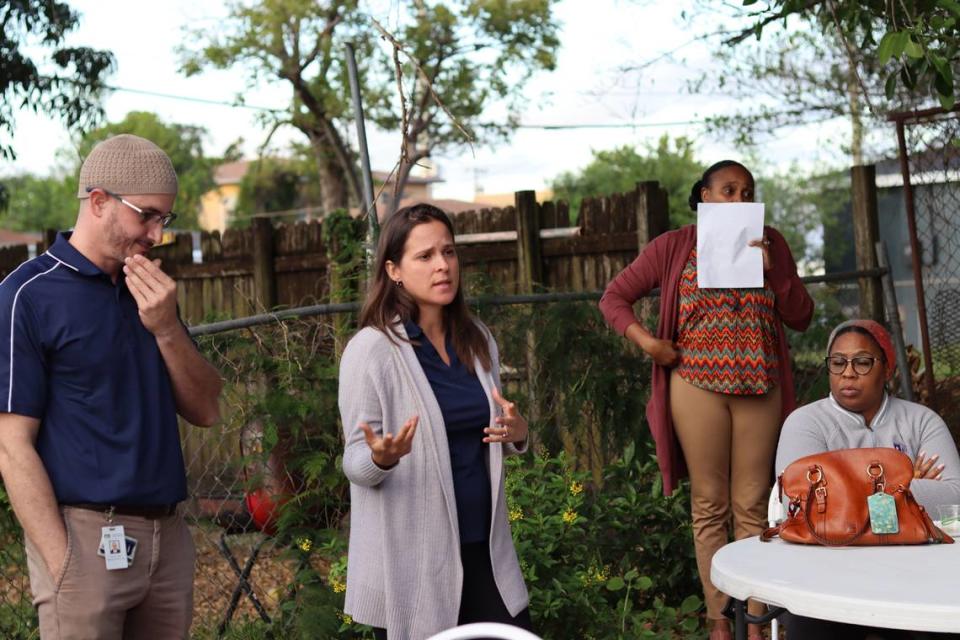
(863, 332)
(704, 180)
(385, 300)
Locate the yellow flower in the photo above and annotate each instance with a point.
(304, 543)
(345, 617)
(516, 514)
(576, 488)
(594, 575)
(337, 586)
(569, 516)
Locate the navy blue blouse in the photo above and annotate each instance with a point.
(466, 413)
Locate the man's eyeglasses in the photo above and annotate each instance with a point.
(146, 215)
(862, 365)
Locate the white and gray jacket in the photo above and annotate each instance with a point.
(899, 424)
(404, 572)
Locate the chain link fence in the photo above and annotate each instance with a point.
(280, 437)
(930, 170)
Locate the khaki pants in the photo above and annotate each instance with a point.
(153, 598)
(729, 443)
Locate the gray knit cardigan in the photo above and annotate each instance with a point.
(404, 572)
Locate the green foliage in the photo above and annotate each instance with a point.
(670, 162)
(40, 203)
(919, 39)
(588, 394)
(602, 561)
(183, 143)
(41, 73)
(605, 555)
(37, 203)
(509, 42)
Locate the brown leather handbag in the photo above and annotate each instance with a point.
(827, 501)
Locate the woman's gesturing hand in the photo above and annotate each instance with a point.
(512, 426)
(388, 450)
(926, 468)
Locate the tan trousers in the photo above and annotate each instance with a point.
(153, 598)
(729, 443)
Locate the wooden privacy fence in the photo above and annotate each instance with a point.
(514, 249)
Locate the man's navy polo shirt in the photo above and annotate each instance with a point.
(466, 413)
(75, 355)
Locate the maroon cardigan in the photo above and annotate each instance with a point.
(660, 265)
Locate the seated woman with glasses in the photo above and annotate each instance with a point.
(860, 413)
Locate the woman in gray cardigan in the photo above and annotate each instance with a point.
(426, 431)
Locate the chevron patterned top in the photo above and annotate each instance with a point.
(727, 337)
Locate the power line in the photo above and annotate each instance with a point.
(542, 127)
(617, 125)
(172, 96)
(224, 103)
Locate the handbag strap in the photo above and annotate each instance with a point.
(823, 540)
(769, 533)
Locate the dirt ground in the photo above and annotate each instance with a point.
(215, 580)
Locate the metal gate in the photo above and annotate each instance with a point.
(929, 144)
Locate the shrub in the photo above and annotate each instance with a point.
(603, 562)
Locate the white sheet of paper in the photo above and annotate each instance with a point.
(724, 257)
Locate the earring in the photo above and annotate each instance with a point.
(399, 283)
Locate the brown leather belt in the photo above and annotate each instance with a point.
(143, 511)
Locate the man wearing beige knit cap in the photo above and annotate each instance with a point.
(95, 365)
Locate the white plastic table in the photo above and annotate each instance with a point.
(898, 587)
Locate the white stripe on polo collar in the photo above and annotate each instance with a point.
(63, 262)
(856, 417)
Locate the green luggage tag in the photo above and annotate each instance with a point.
(883, 513)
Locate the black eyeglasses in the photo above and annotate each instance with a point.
(146, 216)
(862, 365)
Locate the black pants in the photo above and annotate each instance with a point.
(800, 628)
(480, 600)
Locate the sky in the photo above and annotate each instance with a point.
(589, 86)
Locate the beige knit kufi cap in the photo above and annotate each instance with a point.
(128, 165)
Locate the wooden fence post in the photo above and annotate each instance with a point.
(529, 263)
(264, 278)
(529, 280)
(653, 218)
(866, 233)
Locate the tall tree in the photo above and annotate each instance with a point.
(465, 54)
(920, 39)
(797, 74)
(67, 84)
(670, 162)
(796, 77)
(456, 59)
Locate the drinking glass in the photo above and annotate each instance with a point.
(950, 518)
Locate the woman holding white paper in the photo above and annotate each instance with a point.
(721, 382)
